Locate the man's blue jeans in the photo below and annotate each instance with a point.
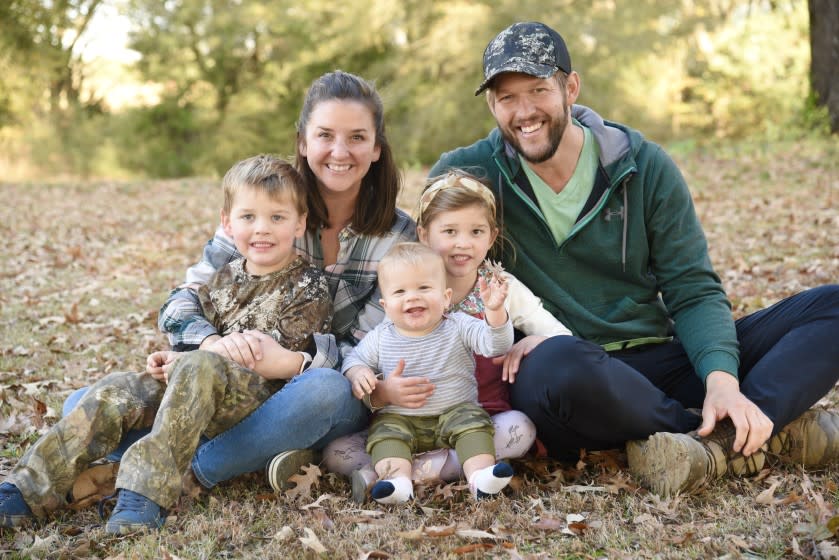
(308, 412)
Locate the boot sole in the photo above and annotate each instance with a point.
(668, 463)
(11, 521)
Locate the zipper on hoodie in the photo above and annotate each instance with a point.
(595, 210)
(532, 205)
(580, 223)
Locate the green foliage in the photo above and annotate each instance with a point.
(161, 141)
(230, 75)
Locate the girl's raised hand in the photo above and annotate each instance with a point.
(494, 292)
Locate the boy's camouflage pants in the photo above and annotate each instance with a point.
(205, 394)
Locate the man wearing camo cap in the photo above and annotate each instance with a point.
(603, 229)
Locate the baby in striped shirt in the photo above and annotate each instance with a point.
(419, 339)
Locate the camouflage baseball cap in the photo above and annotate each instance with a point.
(528, 47)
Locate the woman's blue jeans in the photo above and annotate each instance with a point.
(308, 412)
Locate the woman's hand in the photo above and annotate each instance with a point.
(276, 361)
(363, 380)
(244, 348)
(513, 358)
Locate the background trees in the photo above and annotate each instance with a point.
(824, 50)
(215, 80)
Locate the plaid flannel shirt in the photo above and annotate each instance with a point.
(352, 282)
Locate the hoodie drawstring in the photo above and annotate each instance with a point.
(625, 224)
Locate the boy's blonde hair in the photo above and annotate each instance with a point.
(410, 253)
(274, 176)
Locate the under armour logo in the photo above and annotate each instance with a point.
(608, 214)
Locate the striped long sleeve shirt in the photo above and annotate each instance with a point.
(445, 356)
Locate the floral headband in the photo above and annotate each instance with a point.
(452, 179)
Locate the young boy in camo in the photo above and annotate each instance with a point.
(270, 292)
(419, 339)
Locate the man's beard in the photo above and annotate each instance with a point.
(556, 129)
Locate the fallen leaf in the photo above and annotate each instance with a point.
(166, 555)
(796, 549)
(581, 489)
(682, 539)
(549, 524)
(474, 547)
(324, 520)
(576, 528)
(739, 542)
(311, 541)
(284, 534)
(767, 497)
(440, 530)
(373, 554)
(413, 534)
(475, 534)
(304, 482)
(73, 316)
(619, 481)
(556, 479)
(317, 503)
(828, 550)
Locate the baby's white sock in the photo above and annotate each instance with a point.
(490, 480)
(396, 490)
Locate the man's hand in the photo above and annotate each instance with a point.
(724, 399)
(410, 392)
(158, 364)
(363, 380)
(243, 348)
(513, 358)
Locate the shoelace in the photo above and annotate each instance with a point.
(106, 501)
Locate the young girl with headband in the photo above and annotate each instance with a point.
(457, 219)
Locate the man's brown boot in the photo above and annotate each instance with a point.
(669, 463)
(812, 440)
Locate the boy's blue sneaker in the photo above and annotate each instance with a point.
(13, 509)
(134, 512)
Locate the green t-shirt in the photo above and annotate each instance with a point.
(561, 209)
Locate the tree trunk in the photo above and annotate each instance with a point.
(824, 52)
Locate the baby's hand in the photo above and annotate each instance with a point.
(363, 380)
(494, 292)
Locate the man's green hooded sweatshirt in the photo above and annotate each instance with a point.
(634, 268)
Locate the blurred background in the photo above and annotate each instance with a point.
(173, 88)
